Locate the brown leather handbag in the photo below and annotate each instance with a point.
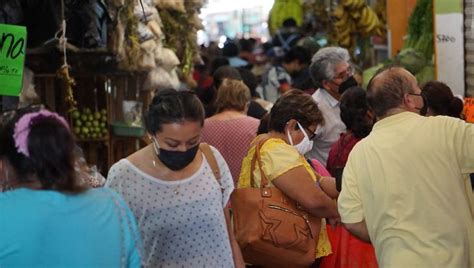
(272, 230)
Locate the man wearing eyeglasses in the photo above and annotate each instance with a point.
(332, 72)
(403, 187)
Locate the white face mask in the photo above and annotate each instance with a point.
(305, 145)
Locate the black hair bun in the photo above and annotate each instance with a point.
(164, 94)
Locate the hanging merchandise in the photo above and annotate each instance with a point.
(354, 18)
(147, 56)
(317, 15)
(125, 39)
(160, 78)
(380, 8)
(28, 93)
(282, 10)
(63, 72)
(181, 36)
(156, 36)
(176, 5)
(167, 59)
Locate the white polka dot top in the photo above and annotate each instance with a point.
(182, 223)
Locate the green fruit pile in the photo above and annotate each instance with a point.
(89, 125)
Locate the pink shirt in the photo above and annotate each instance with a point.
(232, 138)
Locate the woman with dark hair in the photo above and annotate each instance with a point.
(349, 251)
(440, 100)
(357, 117)
(47, 217)
(179, 202)
(292, 123)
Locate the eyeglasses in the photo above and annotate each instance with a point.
(345, 74)
(310, 133)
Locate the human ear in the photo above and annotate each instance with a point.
(326, 84)
(290, 126)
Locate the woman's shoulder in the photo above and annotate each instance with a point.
(271, 143)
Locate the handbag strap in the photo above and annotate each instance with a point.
(256, 159)
(211, 159)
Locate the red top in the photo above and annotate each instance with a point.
(340, 150)
(232, 138)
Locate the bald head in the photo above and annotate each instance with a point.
(386, 90)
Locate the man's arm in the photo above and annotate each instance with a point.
(359, 230)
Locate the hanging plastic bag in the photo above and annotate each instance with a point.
(167, 59)
(177, 5)
(147, 57)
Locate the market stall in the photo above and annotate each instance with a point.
(99, 63)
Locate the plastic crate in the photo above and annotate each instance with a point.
(122, 129)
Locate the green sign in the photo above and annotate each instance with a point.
(12, 58)
(448, 6)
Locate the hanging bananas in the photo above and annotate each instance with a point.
(352, 17)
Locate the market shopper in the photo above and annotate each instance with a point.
(440, 100)
(349, 251)
(179, 203)
(403, 185)
(332, 73)
(277, 79)
(358, 119)
(292, 122)
(47, 218)
(258, 107)
(231, 130)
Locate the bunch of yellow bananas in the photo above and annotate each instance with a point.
(368, 22)
(282, 10)
(354, 17)
(343, 26)
(353, 4)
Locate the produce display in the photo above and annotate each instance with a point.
(353, 18)
(89, 125)
(420, 29)
(420, 42)
(417, 53)
(282, 10)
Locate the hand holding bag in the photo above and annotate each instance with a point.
(272, 230)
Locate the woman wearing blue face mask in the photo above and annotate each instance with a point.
(293, 121)
(179, 203)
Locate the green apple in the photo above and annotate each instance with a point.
(85, 130)
(75, 114)
(97, 115)
(78, 123)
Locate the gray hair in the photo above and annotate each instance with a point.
(324, 63)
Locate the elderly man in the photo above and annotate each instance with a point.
(404, 187)
(332, 72)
